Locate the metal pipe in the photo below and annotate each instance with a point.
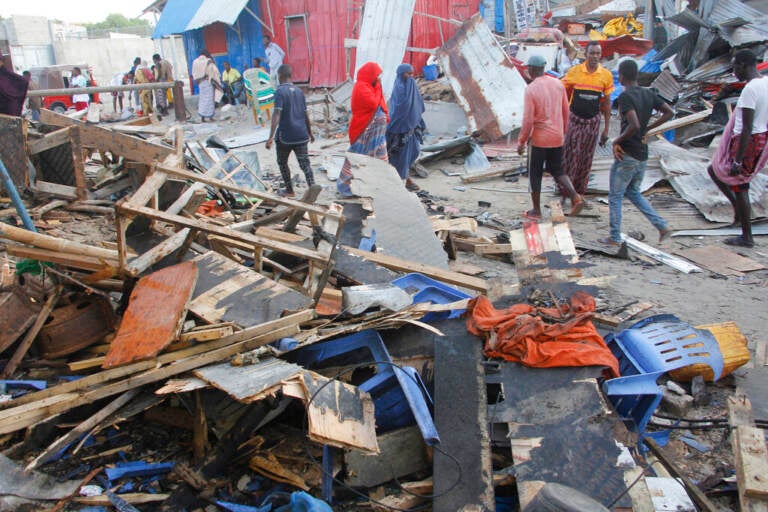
(105, 88)
(16, 198)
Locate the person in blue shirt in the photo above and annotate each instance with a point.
(291, 129)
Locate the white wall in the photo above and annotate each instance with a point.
(109, 56)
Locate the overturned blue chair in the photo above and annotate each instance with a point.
(647, 350)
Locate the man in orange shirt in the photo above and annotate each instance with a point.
(589, 86)
(545, 118)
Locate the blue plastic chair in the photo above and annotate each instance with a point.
(398, 394)
(646, 351)
(426, 289)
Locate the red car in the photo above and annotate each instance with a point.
(58, 77)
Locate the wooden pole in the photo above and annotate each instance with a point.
(52, 243)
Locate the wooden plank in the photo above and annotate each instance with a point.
(446, 276)
(127, 208)
(133, 498)
(51, 140)
(78, 162)
(720, 260)
(21, 350)
(623, 316)
(229, 292)
(64, 259)
(90, 381)
(16, 418)
(252, 382)
(53, 243)
(751, 460)
(680, 122)
(279, 235)
(477, 178)
(750, 456)
(54, 189)
(81, 429)
(486, 249)
(93, 136)
(156, 310)
(149, 188)
(141, 263)
(340, 414)
(298, 205)
(696, 494)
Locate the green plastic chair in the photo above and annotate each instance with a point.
(260, 93)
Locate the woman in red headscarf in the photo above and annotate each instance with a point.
(368, 126)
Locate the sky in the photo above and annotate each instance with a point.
(74, 11)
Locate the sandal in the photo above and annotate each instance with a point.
(411, 186)
(739, 241)
(532, 216)
(609, 241)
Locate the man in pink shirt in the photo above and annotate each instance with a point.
(545, 119)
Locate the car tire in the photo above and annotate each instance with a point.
(561, 498)
(59, 108)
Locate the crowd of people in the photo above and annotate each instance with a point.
(561, 124)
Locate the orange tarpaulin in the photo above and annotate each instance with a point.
(522, 333)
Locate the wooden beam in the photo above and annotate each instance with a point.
(117, 373)
(680, 122)
(53, 243)
(133, 498)
(54, 189)
(696, 494)
(400, 265)
(750, 455)
(78, 162)
(64, 259)
(141, 263)
(21, 351)
(248, 192)
(81, 429)
(51, 140)
(127, 208)
(93, 136)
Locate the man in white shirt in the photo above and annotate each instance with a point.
(119, 78)
(743, 149)
(78, 80)
(275, 56)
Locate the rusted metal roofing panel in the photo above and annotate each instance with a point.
(384, 36)
(212, 11)
(711, 69)
(487, 85)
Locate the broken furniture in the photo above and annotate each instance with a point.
(388, 387)
(425, 289)
(646, 351)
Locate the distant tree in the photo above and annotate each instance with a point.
(117, 21)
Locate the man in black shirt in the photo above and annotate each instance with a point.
(291, 122)
(630, 151)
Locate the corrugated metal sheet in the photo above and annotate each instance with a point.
(711, 69)
(725, 12)
(175, 17)
(383, 37)
(212, 11)
(487, 85)
(666, 85)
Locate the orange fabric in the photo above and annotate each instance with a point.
(210, 208)
(522, 333)
(367, 97)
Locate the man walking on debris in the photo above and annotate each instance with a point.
(636, 105)
(589, 86)
(743, 152)
(291, 122)
(545, 118)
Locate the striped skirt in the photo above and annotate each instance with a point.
(372, 142)
(578, 150)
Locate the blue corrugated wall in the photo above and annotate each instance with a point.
(241, 48)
